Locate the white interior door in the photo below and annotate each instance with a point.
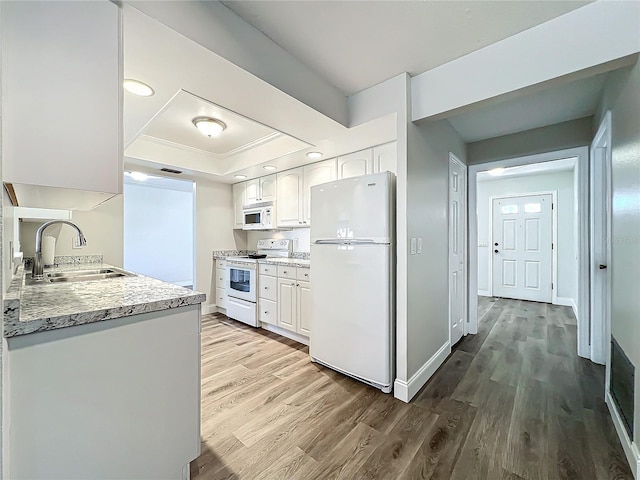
(457, 242)
(522, 238)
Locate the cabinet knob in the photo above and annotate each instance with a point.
(266, 288)
(266, 313)
(284, 271)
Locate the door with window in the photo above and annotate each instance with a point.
(522, 239)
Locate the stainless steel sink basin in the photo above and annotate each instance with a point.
(78, 276)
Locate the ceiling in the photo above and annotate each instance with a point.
(357, 44)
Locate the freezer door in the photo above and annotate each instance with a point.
(351, 318)
(358, 207)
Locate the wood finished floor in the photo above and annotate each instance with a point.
(513, 402)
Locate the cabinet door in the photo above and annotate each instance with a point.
(221, 297)
(238, 202)
(289, 193)
(315, 174)
(62, 98)
(304, 308)
(268, 188)
(252, 191)
(355, 164)
(385, 158)
(287, 310)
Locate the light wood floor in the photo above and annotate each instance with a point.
(513, 402)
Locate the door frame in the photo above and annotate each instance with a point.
(581, 205)
(600, 329)
(554, 238)
(465, 241)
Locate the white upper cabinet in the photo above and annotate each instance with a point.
(268, 188)
(315, 174)
(289, 206)
(385, 158)
(355, 164)
(238, 203)
(252, 191)
(62, 97)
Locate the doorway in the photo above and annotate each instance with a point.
(159, 227)
(522, 240)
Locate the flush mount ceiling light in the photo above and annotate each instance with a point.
(314, 154)
(240, 177)
(138, 176)
(211, 127)
(496, 172)
(269, 167)
(137, 87)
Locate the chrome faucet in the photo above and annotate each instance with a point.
(37, 272)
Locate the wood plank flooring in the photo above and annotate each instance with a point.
(513, 402)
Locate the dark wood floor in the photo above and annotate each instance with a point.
(513, 402)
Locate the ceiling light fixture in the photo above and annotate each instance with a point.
(211, 127)
(314, 154)
(496, 172)
(240, 177)
(138, 88)
(269, 167)
(138, 176)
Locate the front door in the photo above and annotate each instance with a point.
(522, 247)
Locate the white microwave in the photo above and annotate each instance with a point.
(258, 216)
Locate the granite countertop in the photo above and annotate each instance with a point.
(294, 262)
(36, 308)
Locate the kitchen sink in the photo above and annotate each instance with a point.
(78, 276)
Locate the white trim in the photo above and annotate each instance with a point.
(484, 293)
(465, 239)
(554, 237)
(564, 301)
(405, 391)
(630, 448)
(285, 333)
(574, 307)
(582, 153)
(600, 327)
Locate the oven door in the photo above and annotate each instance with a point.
(253, 218)
(241, 281)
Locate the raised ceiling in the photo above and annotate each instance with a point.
(358, 44)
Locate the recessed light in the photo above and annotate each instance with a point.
(138, 88)
(314, 154)
(240, 177)
(138, 176)
(269, 167)
(496, 172)
(211, 127)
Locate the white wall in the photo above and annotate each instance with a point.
(301, 238)
(159, 229)
(561, 136)
(214, 231)
(563, 182)
(103, 227)
(622, 96)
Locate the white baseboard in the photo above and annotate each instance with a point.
(208, 308)
(574, 307)
(405, 391)
(630, 448)
(564, 301)
(286, 333)
(484, 293)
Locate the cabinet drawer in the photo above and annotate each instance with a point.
(286, 272)
(268, 270)
(268, 288)
(268, 311)
(220, 274)
(221, 264)
(221, 297)
(303, 274)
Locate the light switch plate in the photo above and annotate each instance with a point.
(413, 245)
(419, 245)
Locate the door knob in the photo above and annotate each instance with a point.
(602, 267)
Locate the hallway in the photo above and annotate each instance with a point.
(513, 402)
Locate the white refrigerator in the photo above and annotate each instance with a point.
(352, 252)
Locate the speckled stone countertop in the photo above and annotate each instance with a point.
(36, 308)
(294, 262)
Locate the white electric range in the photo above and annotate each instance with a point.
(242, 275)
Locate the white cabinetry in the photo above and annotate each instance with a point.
(62, 102)
(268, 294)
(355, 164)
(221, 284)
(315, 174)
(289, 192)
(252, 191)
(261, 189)
(238, 203)
(304, 307)
(287, 304)
(385, 158)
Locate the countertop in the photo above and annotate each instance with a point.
(293, 262)
(36, 308)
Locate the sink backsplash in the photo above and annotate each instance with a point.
(67, 260)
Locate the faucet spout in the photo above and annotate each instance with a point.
(37, 272)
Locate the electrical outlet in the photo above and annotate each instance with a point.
(296, 243)
(413, 245)
(419, 245)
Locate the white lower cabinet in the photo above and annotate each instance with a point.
(284, 298)
(221, 284)
(221, 298)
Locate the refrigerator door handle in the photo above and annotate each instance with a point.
(345, 241)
